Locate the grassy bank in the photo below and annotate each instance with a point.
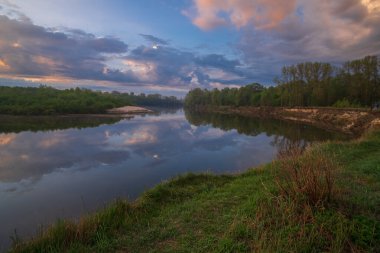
(327, 199)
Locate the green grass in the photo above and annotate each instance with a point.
(241, 213)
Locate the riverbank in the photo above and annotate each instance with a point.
(349, 121)
(335, 207)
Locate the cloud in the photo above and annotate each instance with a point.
(13, 11)
(217, 61)
(263, 14)
(154, 39)
(107, 45)
(174, 67)
(270, 34)
(6, 139)
(29, 155)
(31, 51)
(321, 30)
(143, 135)
(277, 33)
(7, 3)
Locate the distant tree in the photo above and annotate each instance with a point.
(47, 100)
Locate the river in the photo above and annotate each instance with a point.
(64, 167)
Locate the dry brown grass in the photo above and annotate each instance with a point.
(294, 216)
(306, 175)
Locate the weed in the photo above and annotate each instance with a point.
(309, 178)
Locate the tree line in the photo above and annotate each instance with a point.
(45, 100)
(353, 84)
(149, 99)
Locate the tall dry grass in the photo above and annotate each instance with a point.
(306, 175)
(294, 218)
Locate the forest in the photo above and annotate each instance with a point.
(45, 100)
(149, 99)
(353, 84)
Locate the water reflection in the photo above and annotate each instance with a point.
(255, 126)
(286, 135)
(30, 155)
(17, 124)
(46, 174)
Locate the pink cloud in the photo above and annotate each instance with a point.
(273, 33)
(262, 14)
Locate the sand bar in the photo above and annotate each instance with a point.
(129, 110)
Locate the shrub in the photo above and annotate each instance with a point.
(344, 103)
(309, 177)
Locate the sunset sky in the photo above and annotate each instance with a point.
(171, 46)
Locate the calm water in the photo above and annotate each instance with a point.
(63, 167)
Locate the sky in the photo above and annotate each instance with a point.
(172, 46)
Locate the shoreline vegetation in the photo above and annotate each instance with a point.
(323, 199)
(46, 100)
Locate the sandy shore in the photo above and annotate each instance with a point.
(129, 110)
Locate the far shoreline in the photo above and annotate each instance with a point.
(117, 112)
(351, 121)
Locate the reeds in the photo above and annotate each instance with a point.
(309, 177)
(295, 216)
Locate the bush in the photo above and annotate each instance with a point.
(308, 178)
(344, 103)
(297, 217)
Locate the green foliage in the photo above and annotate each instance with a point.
(344, 103)
(149, 100)
(46, 100)
(91, 230)
(304, 84)
(247, 95)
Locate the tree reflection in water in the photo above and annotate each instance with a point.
(285, 134)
